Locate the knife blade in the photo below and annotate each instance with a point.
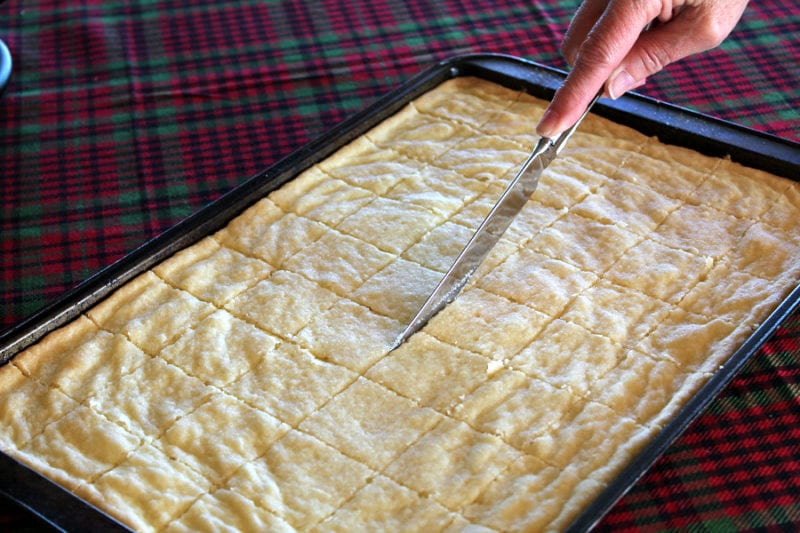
(514, 197)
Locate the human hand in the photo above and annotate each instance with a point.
(612, 44)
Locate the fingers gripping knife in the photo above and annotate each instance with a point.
(493, 226)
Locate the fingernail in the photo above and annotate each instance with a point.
(546, 127)
(620, 83)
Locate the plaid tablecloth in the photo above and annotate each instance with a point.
(124, 117)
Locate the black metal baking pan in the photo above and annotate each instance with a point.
(671, 124)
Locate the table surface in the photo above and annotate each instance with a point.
(122, 118)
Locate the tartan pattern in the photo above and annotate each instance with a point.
(124, 117)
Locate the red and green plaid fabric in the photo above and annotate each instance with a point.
(124, 117)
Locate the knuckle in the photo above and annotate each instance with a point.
(656, 57)
(597, 52)
(711, 34)
(596, 56)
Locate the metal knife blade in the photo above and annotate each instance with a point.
(515, 196)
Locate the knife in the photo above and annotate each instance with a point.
(516, 194)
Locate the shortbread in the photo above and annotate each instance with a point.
(247, 382)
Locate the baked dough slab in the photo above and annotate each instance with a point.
(247, 380)
(383, 505)
(300, 479)
(370, 423)
(60, 450)
(149, 312)
(290, 383)
(220, 349)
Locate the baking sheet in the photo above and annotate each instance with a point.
(671, 124)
